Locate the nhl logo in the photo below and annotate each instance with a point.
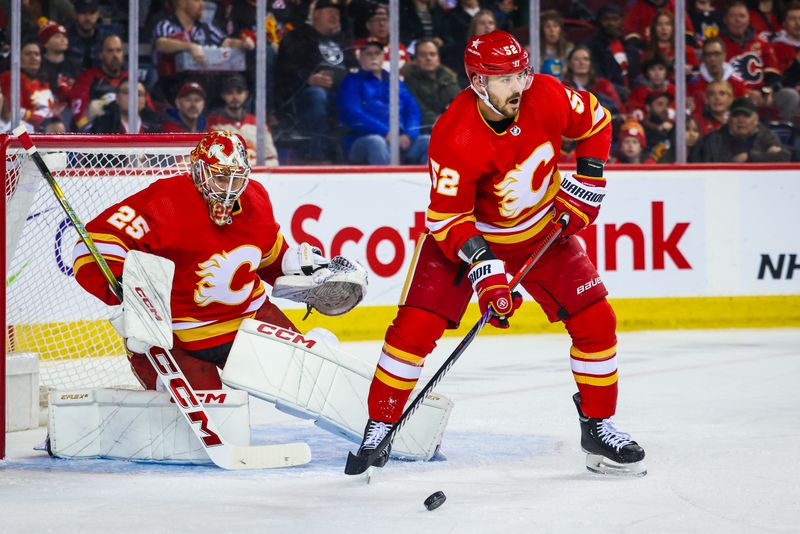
(515, 130)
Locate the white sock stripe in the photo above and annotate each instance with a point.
(594, 368)
(399, 369)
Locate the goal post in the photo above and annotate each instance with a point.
(45, 312)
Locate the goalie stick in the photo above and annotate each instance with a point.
(223, 454)
(358, 464)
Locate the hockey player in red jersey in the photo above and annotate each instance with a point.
(495, 192)
(218, 227)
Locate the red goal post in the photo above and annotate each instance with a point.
(45, 312)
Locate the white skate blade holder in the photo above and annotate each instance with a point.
(601, 465)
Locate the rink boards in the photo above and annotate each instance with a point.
(693, 248)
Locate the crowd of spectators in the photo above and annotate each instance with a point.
(327, 96)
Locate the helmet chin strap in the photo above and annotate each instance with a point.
(484, 96)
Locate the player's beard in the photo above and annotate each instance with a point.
(503, 107)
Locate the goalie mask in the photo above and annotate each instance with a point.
(220, 172)
(496, 54)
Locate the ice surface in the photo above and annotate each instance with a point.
(715, 410)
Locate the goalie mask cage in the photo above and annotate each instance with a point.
(46, 312)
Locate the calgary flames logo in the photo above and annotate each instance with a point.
(216, 276)
(749, 67)
(520, 188)
(221, 148)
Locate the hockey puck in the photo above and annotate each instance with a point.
(435, 500)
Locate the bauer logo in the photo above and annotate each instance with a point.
(588, 285)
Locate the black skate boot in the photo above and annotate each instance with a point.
(608, 450)
(373, 434)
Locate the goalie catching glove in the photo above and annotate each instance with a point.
(333, 286)
(581, 195)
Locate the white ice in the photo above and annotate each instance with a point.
(717, 412)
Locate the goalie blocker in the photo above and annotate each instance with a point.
(307, 377)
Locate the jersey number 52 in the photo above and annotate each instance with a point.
(445, 180)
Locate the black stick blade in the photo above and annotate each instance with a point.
(356, 464)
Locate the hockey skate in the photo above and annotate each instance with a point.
(374, 432)
(608, 450)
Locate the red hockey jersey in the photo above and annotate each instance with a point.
(219, 271)
(502, 185)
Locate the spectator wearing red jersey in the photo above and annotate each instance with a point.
(59, 70)
(636, 26)
(751, 56)
(716, 111)
(662, 41)
(377, 25)
(787, 47)
(656, 73)
(765, 17)
(96, 87)
(36, 99)
(233, 116)
(713, 68)
(184, 31)
(187, 115)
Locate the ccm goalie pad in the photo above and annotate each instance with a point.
(312, 379)
(333, 287)
(139, 425)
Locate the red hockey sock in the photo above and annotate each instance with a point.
(410, 338)
(593, 357)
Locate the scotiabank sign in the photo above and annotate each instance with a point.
(660, 233)
(663, 233)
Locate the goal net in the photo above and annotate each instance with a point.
(46, 312)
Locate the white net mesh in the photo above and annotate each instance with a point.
(47, 312)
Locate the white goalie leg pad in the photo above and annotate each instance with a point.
(139, 425)
(146, 287)
(312, 379)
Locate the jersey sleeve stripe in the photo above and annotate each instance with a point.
(521, 236)
(80, 262)
(273, 253)
(437, 226)
(600, 118)
(440, 234)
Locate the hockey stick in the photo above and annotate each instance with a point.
(223, 454)
(357, 464)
